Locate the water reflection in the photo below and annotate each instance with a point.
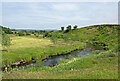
(55, 60)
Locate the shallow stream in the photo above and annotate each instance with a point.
(53, 61)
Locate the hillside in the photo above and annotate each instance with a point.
(106, 34)
(99, 65)
(6, 30)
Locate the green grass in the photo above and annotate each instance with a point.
(27, 42)
(100, 65)
(25, 48)
(90, 67)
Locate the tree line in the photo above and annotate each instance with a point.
(69, 27)
(6, 41)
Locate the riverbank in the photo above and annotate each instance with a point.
(24, 63)
(52, 60)
(103, 66)
(37, 52)
(99, 65)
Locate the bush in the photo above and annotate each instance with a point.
(6, 40)
(54, 38)
(28, 34)
(21, 34)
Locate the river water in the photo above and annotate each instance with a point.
(53, 61)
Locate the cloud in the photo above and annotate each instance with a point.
(55, 15)
(71, 18)
(108, 18)
(65, 7)
(60, 0)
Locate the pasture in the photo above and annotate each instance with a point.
(27, 47)
(28, 42)
(99, 65)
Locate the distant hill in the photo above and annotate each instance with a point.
(6, 30)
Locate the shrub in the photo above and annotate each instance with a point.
(62, 28)
(6, 40)
(54, 38)
(75, 27)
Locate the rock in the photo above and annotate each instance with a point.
(13, 66)
(105, 48)
(43, 59)
(33, 60)
(3, 68)
(17, 63)
(58, 54)
(51, 65)
(50, 55)
(22, 62)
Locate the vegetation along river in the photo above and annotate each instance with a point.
(53, 61)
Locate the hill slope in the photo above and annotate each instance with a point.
(100, 65)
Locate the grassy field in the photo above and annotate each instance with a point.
(26, 47)
(100, 65)
(96, 66)
(28, 42)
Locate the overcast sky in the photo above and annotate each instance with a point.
(53, 15)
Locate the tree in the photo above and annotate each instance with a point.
(62, 28)
(45, 34)
(54, 38)
(21, 34)
(6, 42)
(75, 27)
(36, 34)
(69, 27)
(6, 30)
